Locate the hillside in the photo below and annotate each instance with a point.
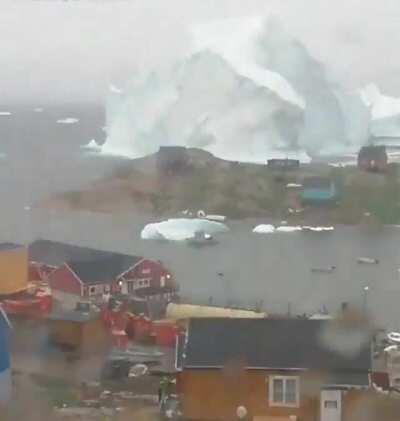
(235, 189)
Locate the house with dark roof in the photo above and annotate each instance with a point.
(318, 190)
(76, 273)
(272, 369)
(373, 158)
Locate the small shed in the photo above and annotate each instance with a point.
(373, 158)
(318, 190)
(173, 160)
(78, 330)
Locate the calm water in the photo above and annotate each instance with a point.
(45, 157)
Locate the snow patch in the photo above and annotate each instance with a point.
(179, 229)
(68, 120)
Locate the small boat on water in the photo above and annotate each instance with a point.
(367, 260)
(328, 269)
(201, 239)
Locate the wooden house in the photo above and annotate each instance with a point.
(173, 160)
(78, 330)
(272, 369)
(373, 158)
(13, 268)
(318, 190)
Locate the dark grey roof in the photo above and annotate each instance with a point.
(348, 378)
(104, 268)
(373, 152)
(276, 343)
(74, 316)
(9, 246)
(93, 265)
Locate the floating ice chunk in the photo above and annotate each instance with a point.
(264, 229)
(288, 229)
(318, 229)
(68, 120)
(38, 110)
(293, 185)
(5, 113)
(115, 90)
(179, 229)
(92, 146)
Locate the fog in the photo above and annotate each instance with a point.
(68, 51)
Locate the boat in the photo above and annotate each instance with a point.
(201, 239)
(368, 260)
(328, 269)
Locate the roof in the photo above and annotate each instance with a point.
(372, 152)
(88, 263)
(74, 316)
(103, 268)
(276, 344)
(9, 246)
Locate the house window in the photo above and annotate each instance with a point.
(330, 404)
(92, 290)
(284, 391)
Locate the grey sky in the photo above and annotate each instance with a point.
(54, 50)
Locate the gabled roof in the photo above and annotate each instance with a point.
(103, 268)
(55, 253)
(277, 344)
(10, 246)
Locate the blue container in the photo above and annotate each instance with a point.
(5, 370)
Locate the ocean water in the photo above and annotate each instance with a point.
(43, 157)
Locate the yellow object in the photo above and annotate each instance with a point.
(13, 270)
(188, 311)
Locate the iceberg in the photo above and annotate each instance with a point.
(264, 229)
(287, 228)
(5, 113)
(38, 110)
(92, 146)
(68, 120)
(180, 229)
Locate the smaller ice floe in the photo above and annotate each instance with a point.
(180, 229)
(368, 260)
(38, 110)
(92, 146)
(318, 229)
(321, 316)
(264, 229)
(293, 186)
(115, 90)
(200, 239)
(288, 228)
(5, 113)
(218, 218)
(328, 269)
(68, 120)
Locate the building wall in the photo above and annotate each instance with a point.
(13, 270)
(215, 394)
(65, 301)
(147, 274)
(63, 279)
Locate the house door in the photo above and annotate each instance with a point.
(331, 405)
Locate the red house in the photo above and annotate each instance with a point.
(75, 273)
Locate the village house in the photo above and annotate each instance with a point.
(79, 330)
(318, 190)
(373, 158)
(272, 369)
(75, 273)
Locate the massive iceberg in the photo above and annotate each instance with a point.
(249, 91)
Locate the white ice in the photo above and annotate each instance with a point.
(264, 229)
(179, 229)
(92, 146)
(5, 113)
(68, 120)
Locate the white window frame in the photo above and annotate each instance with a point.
(283, 403)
